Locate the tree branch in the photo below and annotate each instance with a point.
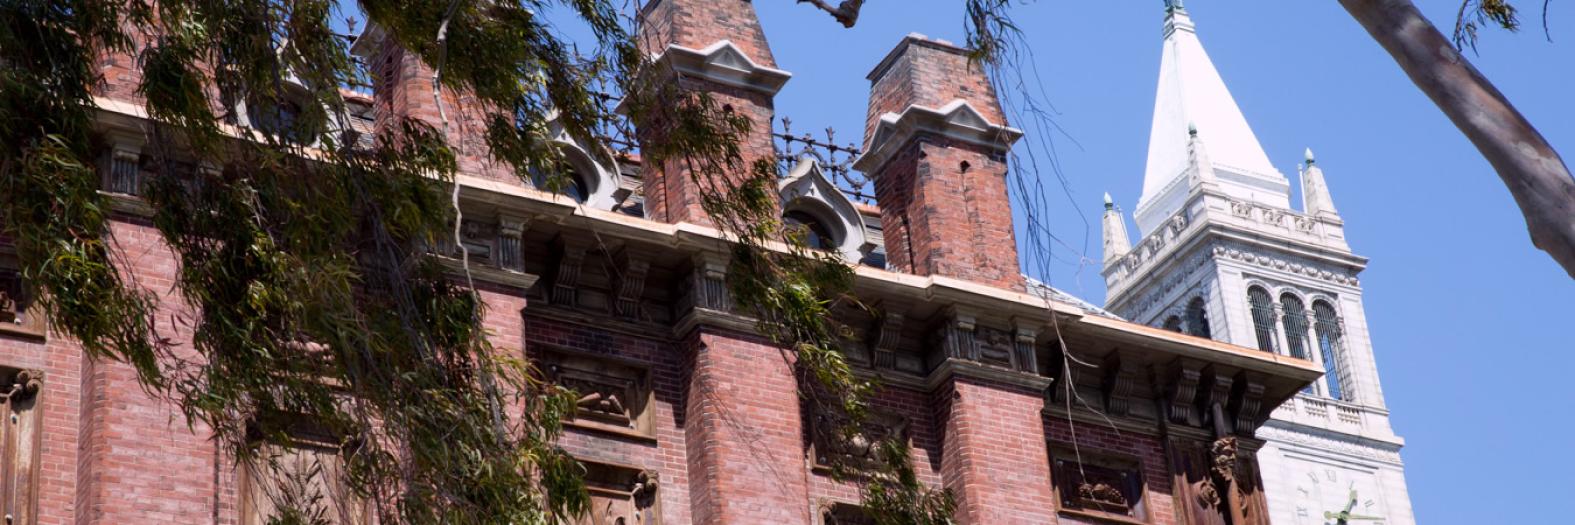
(846, 13)
(1537, 177)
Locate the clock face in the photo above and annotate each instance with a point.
(1328, 496)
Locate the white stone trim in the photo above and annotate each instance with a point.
(957, 120)
(725, 63)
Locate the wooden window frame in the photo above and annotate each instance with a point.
(561, 365)
(21, 444)
(1063, 464)
(12, 283)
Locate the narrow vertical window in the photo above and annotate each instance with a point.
(1198, 318)
(1173, 323)
(1295, 322)
(1336, 373)
(1262, 317)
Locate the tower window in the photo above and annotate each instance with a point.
(1295, 325)
(1262, 317)
(815, 233)
(1198, 319)
(1336, 373)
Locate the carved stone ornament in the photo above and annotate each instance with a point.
(1223, 453)
(1101, 493)
(832, 446)
(21, 385)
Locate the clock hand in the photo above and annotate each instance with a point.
(1351, 505)
(1363, 518)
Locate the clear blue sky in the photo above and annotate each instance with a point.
(1465, 314)
(1467, 317)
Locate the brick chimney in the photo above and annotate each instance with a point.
(402, 88)
(935, 143)
(715, 47)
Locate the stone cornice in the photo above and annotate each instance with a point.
(957, 120)
(1302, 437)
(724, 63)
(919, 291)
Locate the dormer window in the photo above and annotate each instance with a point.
(568, 183)
(813, 231)
(816, 209)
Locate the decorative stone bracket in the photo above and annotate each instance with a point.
(1191, 389)
(629, 284)
(564, 273)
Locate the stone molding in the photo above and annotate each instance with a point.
(724, 63)
(1331, 442)
(957, 120)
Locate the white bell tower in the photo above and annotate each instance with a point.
(1223, 255)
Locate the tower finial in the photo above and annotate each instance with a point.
(1192, 129)
(1310, 159)
(1174, 5)
(1108, 202)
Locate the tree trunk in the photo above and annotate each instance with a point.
(1536, 176)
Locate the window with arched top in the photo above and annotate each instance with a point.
(1336, 373)
(1295, 322)
(1262, 317)
(1198, 318)
(814, 231)
(567, 182)
(1173, 323)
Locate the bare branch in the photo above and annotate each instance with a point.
(846, 13)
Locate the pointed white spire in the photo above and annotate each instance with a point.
(1117, 243)
(1191, 92)
(1315, 190)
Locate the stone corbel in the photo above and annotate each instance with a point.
(957, 333)
(1180, 384)
(710, 282)
(1216, 390)
(122, 171)
(889, 330)
(1024, 341)
(629, 285)
(1120, 383)
(568, 255)
(1246, 402)
(510, 229)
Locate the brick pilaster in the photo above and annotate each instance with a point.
(993, 455)
(744, 433)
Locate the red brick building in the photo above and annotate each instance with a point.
(618, 288)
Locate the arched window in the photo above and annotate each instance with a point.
(1336, 373)
(1262, 317)
(816, 234)
(1198, 318)
(566, 182)
(1173, 323)
(1295, 326)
